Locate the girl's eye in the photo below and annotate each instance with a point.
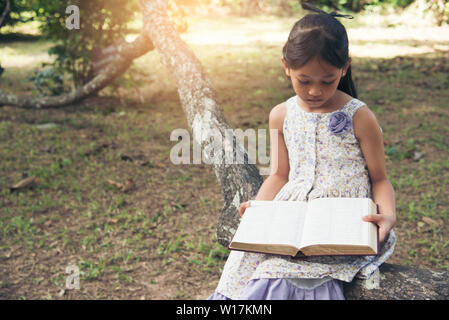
(307, 82)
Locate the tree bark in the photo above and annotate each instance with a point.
(127, 52)
(5, 12)
(396, 282)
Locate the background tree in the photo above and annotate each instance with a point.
(103, 23)
(14, 11)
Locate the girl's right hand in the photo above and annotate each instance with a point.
(243, 207)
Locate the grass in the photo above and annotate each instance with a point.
(157, 240)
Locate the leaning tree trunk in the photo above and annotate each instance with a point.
(395, 282)
(242, 181)
(127, 52)
(239, 182)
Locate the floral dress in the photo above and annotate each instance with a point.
(325, 161)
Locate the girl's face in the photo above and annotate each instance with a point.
(315, 83)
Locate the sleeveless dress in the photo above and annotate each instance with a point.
(321, 165)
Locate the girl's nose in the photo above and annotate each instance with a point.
(315, 91)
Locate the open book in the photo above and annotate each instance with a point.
(322, 226)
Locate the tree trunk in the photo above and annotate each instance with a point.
(127, 52)
(400, 283)
(239, 182)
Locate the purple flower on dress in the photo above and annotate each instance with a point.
(340, 123)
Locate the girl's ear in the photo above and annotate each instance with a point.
(286, 69)
(346, 67)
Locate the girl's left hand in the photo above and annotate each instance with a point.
(385, 222)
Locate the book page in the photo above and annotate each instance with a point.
(338, 221)
(272, 222)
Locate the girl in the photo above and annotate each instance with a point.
(329, 144)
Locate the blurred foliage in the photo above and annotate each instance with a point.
(19, 12)
(440, 8)
(103, 22)
(47, 82)
(292, 6)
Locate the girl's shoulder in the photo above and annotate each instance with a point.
(365, 122)
(362, 116)
(277, 116)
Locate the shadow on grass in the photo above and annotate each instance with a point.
(14, 37)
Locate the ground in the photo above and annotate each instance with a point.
(156, 239)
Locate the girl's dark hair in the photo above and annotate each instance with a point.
(319, 35)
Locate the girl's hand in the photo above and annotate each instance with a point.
(385, 222)
(243, 207)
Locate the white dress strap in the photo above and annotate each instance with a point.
(289, 105)
(354, 105)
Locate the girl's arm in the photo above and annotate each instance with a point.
(279, 164)
(367, 131)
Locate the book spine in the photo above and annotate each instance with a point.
(251, 251)
(305, 256)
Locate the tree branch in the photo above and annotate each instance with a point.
(5, 12)
(127, 52)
